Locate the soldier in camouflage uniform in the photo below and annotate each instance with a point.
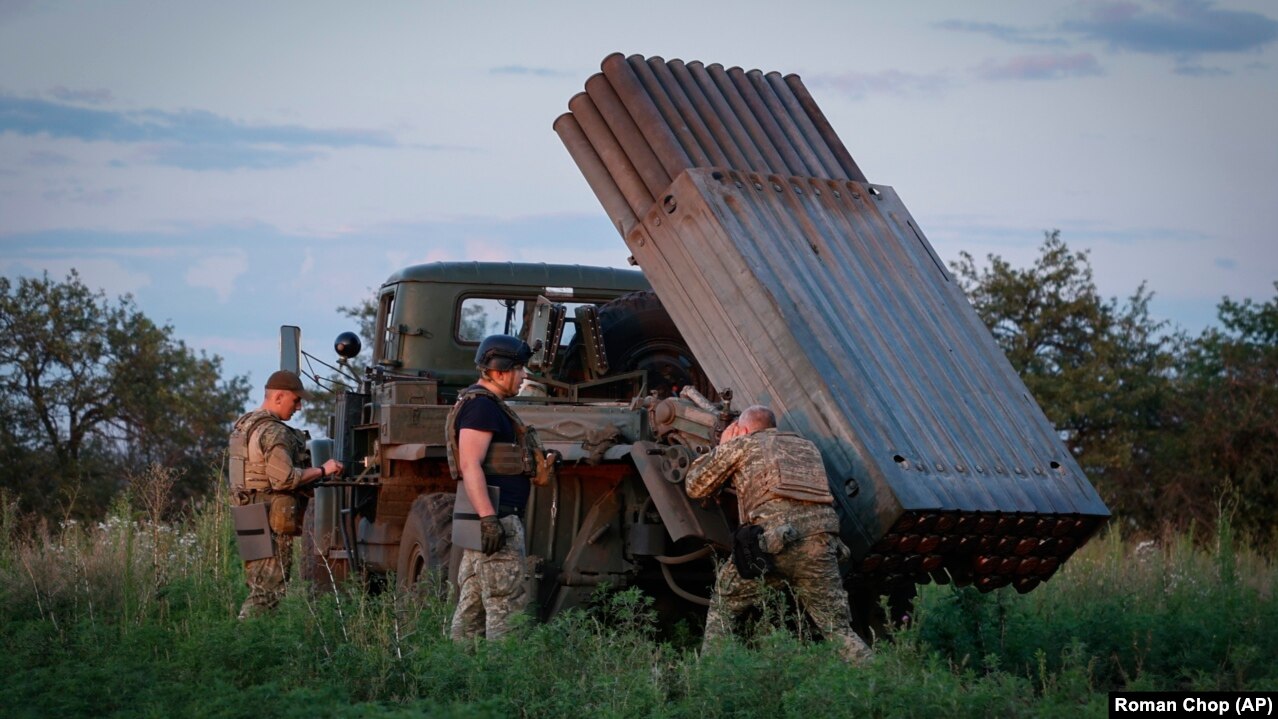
(781, 486)
(489, 446)
(276, 472)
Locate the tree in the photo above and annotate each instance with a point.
(1227, 410)
(1099, 370)
(93, 389)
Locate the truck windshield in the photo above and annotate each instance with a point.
(483, 316)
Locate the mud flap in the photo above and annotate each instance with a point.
(253, 532)
(663, 469)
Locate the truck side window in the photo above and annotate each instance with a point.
(387, 348)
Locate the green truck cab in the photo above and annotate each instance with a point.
(613, 389)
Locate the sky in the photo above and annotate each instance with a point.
(235, 166)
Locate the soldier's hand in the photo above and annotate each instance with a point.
(732, 431)
(332, 468)
(491, 535)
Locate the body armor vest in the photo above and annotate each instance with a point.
(245, 474)
(503, 458)
(795, 471)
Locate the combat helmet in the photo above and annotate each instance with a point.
(502, 352)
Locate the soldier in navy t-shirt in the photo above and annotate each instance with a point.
(490, 447)
(483, 414)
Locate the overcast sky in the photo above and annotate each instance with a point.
(236, 166)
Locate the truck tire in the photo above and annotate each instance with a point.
(639, 334)
(426, 544)
(325, 577)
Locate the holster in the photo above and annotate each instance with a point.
(251, 535)
(775, 540)
(747, 552)
(546, 472)
(287, 511)
(466, 523)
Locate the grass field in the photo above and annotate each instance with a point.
(137, 618)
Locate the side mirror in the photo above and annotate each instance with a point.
(291, 349)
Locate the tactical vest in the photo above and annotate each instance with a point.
(795, 471)
(503, 458)
(247, 475)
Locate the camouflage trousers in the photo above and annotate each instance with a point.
(266, 578)
(811, 569)
(492, 588)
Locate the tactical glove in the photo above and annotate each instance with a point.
(491, 534)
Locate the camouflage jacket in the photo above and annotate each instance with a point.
(779, 478)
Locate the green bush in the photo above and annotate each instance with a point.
(133, 618)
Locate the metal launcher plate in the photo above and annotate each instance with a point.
(804, 287)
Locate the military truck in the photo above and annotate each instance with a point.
(773, 272)
(615, 391)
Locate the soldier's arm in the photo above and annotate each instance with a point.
(472, 447)
(711, 471)
(284, 477)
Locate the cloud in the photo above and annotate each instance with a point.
(76, 193)
(1192, 70)
(858, 85)
(1040, 67)
(218, 273)
(46, 158)
(189, 139)
(998, 31)
(33, 116)
(10, 9)
(112, 277)
(523, 70)
(88, 97)
(226, 157)
(1226, 263)
(1174, 27)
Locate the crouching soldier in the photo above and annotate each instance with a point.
(270, 465)
(788, 528)
(489, 448)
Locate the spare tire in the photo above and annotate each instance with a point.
(638, 334)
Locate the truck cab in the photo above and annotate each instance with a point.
(611, 377)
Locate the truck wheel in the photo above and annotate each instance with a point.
(639, 334)
(427, 543)
(313, 568)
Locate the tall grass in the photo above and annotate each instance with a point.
(136, 617)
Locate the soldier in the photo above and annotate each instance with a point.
(784, 505)
(490, 447)
(275, 470)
